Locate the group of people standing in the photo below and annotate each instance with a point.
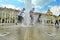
(21, 15)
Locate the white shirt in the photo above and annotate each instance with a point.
(21, 14)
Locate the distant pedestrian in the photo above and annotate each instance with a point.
(56, 21)
(38, 20)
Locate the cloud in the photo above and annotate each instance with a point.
(41, 2)
(38, 3)
(37, 7)
(1, 0)
(55, 10)
(44, 11)
(50, 6)
(9, 6)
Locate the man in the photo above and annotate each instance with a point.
(31, 15)
(56, 21)
(20, 16)
(38, 20)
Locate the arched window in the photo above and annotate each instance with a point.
(2, 20)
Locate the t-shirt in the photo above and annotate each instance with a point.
(31, 13)
(21, 14)
(56, 18)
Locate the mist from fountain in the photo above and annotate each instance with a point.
(28, 6)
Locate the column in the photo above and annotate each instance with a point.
(1, 20)
(5, 18)
(2, 17)
(28, 6)
(12, 16)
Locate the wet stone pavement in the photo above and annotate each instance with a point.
(35, 32)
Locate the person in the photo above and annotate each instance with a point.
(56, 21)
(59, 18)
(20, 16)
(38, 20)
(31, 15)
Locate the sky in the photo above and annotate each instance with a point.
(39, 5)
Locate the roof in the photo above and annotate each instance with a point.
(9, 9)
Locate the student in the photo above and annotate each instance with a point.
(20, 16)
(31, 15)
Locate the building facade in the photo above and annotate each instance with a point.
(59, 18)
(8, 15)
(47, 17)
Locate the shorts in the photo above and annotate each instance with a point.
(56, 22)
(31, 17)
(20, 18)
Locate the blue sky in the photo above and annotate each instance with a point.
(40, 5)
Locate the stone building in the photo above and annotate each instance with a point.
(50, 17)
(47, 17)
(8, 15)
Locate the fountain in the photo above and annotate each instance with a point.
(28, 6)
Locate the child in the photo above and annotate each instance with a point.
(20, 16)
(31, 15)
